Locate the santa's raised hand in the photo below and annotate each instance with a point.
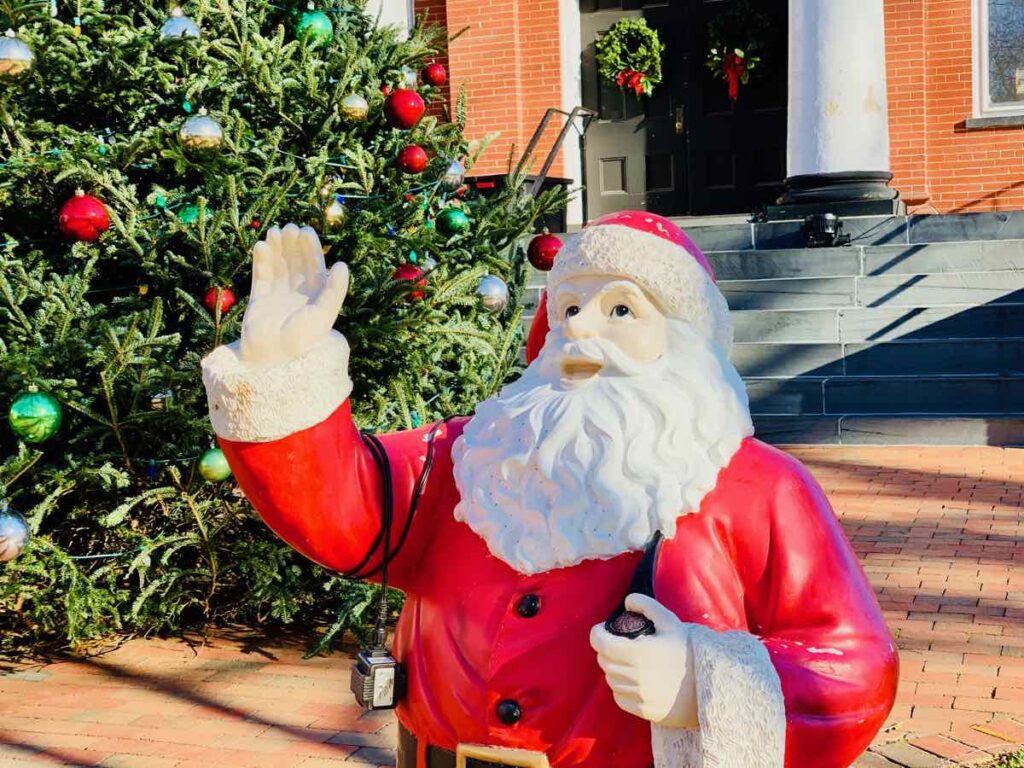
(294, 300)
(651, 676)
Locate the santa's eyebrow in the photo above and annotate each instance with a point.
(625, 285)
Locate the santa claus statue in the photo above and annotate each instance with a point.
(620, 467)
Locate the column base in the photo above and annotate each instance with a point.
(848, 193)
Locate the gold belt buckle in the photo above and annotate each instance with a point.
(518, 758)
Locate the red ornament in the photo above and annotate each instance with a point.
(403, 108)
(227, 300)
(542, 251)
(411, 273)
(255, 224)
(434, 74)
(84, 218)
(412, 158)
(385, 89)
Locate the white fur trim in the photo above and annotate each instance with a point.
(740, 707)
(257, 404)
(665, 270)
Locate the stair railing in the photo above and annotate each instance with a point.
(587, 114)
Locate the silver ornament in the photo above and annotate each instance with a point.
(493, 294)
(453, 177)
(354, 107)
(14, 534)
(178, 26)
(201, 133)
(409, 76)
(428, 263)
(162, 400)
(15, 55)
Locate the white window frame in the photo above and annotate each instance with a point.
(983, 107)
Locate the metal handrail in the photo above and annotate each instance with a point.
(587, 114)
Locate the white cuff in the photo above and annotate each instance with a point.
(258, 404)
(740, 707)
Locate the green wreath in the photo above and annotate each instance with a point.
(739, 39)
(629, 55)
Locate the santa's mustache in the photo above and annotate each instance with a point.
(607, 354)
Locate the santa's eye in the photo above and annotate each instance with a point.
(621, 310)
(572, 310)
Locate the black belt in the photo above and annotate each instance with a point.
(436, 757)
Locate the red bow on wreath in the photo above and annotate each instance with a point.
(632, 79)
(733, 67)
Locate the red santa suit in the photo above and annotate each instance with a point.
(788, 634)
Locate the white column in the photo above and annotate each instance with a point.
(397, 13)
(838, 116)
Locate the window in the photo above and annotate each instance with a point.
(999, 57)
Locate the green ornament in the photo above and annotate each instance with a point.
(160, 201)
(35, 416)
(315, 27)
(189, 214)
(187, 106)
(213, 466)
(452, 221)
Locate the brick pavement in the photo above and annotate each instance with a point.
(939, 531)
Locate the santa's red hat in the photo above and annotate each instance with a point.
(656, 255)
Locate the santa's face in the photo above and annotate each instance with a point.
(619, 426)
(616, 310)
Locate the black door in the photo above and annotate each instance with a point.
(687, 149)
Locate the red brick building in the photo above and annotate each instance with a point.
(942, 108)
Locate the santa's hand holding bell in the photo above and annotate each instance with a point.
(619, 473)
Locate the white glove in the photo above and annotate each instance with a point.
(294, 301)
(651, 676)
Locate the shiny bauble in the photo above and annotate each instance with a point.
(83, 217)
(14, 534)
(411, 273)
(201, 134)
(213, 466)
(162, 400)
(335, 214)
(434, 74)
(178, 26)
(354, 108)
(315, 28)
(542, 251)
(227, 300)
(453, 177)
(412, 158)
(409, 77)
(190, 213)
(492, 293)
(403, 108)
(452, 221)
(16, 57)
(428, 263)
(35, 417)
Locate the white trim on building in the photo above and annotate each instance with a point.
(983, 105)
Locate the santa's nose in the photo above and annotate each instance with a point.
(580, 327)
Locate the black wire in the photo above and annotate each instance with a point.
(413, 504)
(387, 512)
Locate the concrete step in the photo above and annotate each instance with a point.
(861, 324)
(868, 261)
(893, 430)
(962, 288)
(981, 357)
(887, 395)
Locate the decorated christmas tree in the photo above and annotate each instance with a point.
(144, 149)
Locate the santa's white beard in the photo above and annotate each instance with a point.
(551, 475)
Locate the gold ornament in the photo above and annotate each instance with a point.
(354, 108)
(201, 133)
(335, 214)
(15, 56)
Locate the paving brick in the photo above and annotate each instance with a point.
(910, 757)
(944, 747)
(1003, 728)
